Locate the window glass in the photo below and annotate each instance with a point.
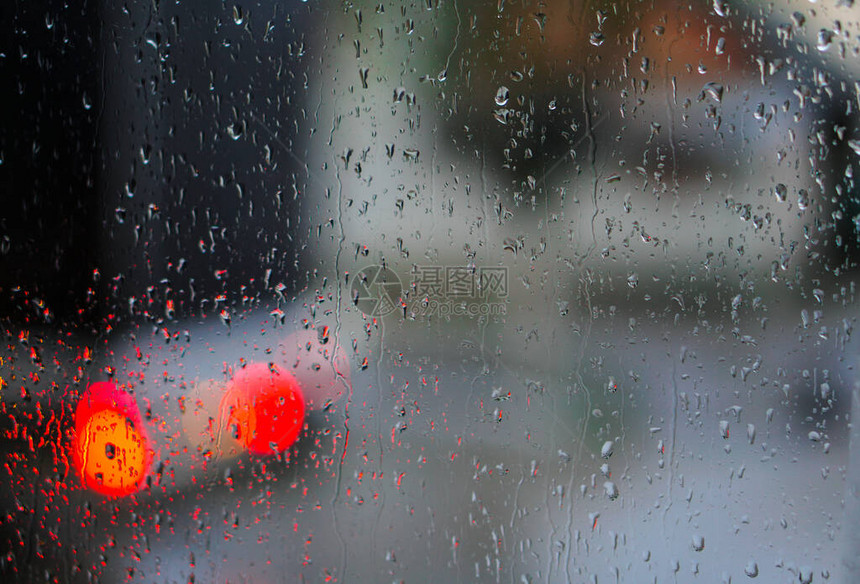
(438, 291)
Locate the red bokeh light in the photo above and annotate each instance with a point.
(263, 408)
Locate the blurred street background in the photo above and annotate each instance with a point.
(569, 288)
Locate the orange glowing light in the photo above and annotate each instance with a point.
(263, 408)
(110, 448)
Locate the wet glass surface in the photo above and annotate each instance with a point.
(444, 291)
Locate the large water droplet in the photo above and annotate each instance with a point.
(607, 449)
(238, 15)
(633, 280)
(780, 192)
(502, 96)
(611, 490)
(236, 130)
(825, 38)
(802, 199)
(713, 90)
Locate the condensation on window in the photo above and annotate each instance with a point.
(507, 291)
